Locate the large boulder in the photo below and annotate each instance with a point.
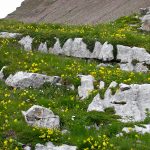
(129, 101)
(26, 42)
(51, 146)
(9, 35)
(127, 54)
(25, 80)
(41, 117)
(86, 86)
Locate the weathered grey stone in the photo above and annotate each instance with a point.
(96, 104)
(25, 80)
(113, 84)
(106, 53)
(146, 23)
(9, 35)
(101, 85)
(127, 54)
(42, 117)
(97, 50)
(43, 48)
(140, 130)
(130, 101)
(139, 67)
(26, 42)
(57, 50)
(86, 86)
(67, 47)
(51, 146)
(1, 72)
(126, 66)
(79, 49)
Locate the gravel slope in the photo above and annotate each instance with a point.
(76, 11)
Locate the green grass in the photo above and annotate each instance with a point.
(63, 102)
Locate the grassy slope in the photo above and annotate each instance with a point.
(66, 103)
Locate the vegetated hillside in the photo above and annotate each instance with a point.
(87, 130)
(76, 11)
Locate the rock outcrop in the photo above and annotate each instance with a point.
(41, 117)
(25, 80)
(129, 101)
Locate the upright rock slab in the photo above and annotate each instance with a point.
(41, 117)
(25, 80)
(79, 49)
(86, 86)
(26, 42)
(43, 48)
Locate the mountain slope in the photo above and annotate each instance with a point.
(75, 12)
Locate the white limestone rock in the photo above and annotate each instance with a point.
(113, 84)
(43, 48)
(25, 80)
(41, 117)
(86, 86)
(26, 42)
(67, 47)
(126, 66)
(129, 102)
(139, 67)
(9, 35)
(106, 53)
(57, 50)
(127, 54)
(97, 50)
(79, 49)
(141, 130)
(146, 23)
(101, 85)
(51, 146)
(1, 72)
(96, 104)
